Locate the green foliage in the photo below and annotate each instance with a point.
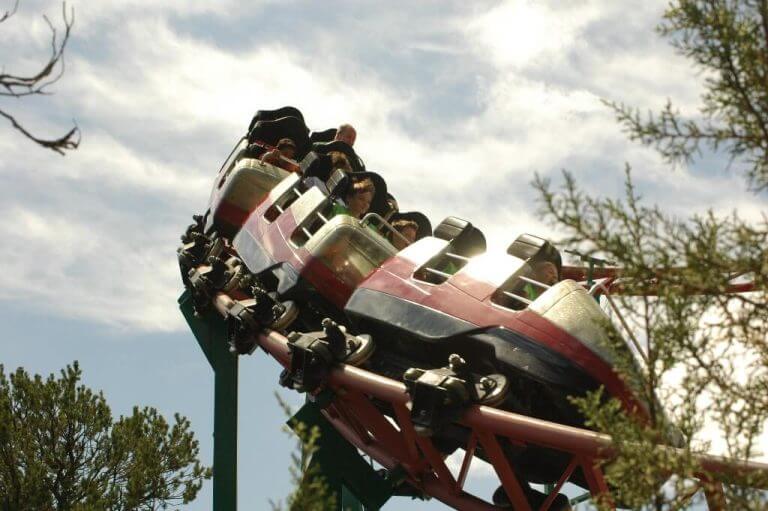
(709, 345)
(310, 490)
(705, 350)
(728, 41)
(60, 449)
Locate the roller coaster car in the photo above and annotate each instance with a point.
(441, 311)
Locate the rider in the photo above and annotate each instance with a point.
(285, 150)
(544, 271)
(408, 230)
(357, 200)
(346, 133)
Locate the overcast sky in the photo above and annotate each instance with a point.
(456, 104)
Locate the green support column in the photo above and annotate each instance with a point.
(211, 334)
(347, 473)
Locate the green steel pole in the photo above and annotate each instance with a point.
(210, 330)
(225, 430)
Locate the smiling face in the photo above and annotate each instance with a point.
(359, 203)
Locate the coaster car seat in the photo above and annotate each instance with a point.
(271, 115)
(323, 161)
(465, 239)
(322, 136)
(338, 183)
(270, 132)
(534, 249)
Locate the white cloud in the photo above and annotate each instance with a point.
(84, 271)
(160, 109)
(518, 32)
(115, 262)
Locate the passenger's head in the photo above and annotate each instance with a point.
(392, 207)
(359, 197)
(340, 161)
(546, 272)
(287, 148)
(408, 229)
(346, 133)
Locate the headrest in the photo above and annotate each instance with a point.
(272, 131)
(342, 147)
(465, 238)
(425, 226)
(534, 249)
(338, 183)
(271, 115)
(319, 168)
(322, 136)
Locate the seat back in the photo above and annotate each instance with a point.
(465, 239)
(341, 147)
(270, 132)
(534, 249)
(338, 183)
(322, 136)
(271, 115)
(239, 192)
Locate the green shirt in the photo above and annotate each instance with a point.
(531, 292)
(339, 209)
(342, 209)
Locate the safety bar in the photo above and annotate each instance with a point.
(602, 285)
(438, 272)
(526, 301)
(457, 257)
(534, 282)
(383, 223)
(522, 299)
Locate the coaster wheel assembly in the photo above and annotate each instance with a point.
(399, 441)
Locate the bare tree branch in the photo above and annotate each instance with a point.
(19, 86)
(71, 140)
(8, 14)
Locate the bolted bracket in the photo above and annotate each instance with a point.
(313, 354)
(439, 395)
(247, 317)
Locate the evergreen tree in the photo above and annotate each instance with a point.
(711, 346)
(60, 449)
(309, 489)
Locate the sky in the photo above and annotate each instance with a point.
(457, 104)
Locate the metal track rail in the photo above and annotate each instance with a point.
(396, 444)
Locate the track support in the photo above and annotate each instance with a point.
(349, 475)
(210, 331)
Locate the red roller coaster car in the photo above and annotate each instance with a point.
(436, 346)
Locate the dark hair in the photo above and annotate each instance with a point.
(340, 161)
(362, 186)
(403, 223)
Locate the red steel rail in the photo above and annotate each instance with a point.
(395, 443)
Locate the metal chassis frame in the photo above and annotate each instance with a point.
(395, 444)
